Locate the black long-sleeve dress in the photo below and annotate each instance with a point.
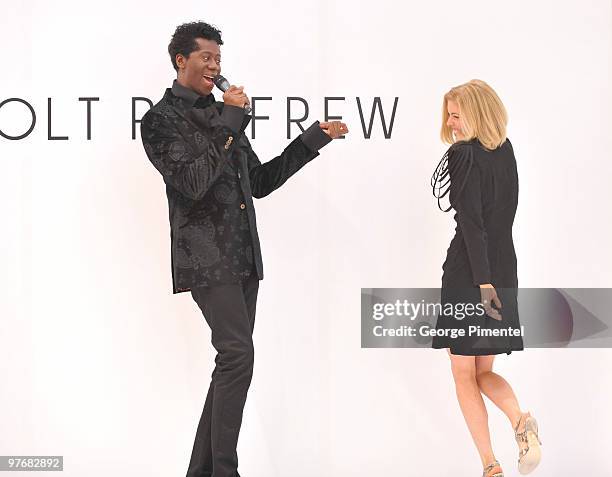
(482, 186)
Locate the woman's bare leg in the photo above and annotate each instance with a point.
(497, 389)
(472, 405)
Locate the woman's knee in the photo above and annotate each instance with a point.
(463, 368)
(484, 365)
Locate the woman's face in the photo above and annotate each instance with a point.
(454, 120)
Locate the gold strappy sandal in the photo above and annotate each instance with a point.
(529, 457)
(491, 466)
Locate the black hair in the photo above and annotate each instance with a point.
(183, 40)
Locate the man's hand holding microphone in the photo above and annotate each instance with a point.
(234, 96)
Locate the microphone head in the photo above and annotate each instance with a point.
(221, 83)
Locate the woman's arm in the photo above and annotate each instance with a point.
(465, 197)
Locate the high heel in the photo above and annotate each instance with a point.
(491, 466)
(531, 454)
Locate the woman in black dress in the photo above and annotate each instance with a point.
(477, 177)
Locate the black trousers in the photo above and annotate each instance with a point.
(230, 312)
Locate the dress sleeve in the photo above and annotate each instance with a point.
(459, 177)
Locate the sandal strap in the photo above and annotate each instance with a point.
(490, 466)
(519, 423)
(521, 436)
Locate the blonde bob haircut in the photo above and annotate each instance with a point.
(483, 115)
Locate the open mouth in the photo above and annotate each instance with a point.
(208, 81)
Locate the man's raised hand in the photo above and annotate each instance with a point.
(334, 129)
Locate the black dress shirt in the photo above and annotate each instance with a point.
(211, 175)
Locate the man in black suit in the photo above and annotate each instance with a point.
(211, 174)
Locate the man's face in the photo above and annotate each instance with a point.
(197, 71)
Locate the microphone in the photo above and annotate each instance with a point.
(223, 85)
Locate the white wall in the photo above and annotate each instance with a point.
(103, 365)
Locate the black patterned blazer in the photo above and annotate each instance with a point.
(211, 175)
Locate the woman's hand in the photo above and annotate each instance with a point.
(488, 297)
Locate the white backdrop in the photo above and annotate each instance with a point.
(103, 365)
